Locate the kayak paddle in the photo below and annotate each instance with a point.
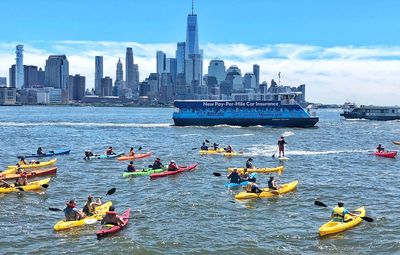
(368, 219)
(217, 174)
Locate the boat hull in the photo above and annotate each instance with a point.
(369, 117)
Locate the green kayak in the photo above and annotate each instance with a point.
(143, 172)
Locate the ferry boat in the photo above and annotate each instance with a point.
(284, 113)
(372, 112)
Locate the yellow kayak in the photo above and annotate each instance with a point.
(29, 166)
(332, 227)
(212, 151)
(258, 170)
(285, 188)
(100, 212)
(233, 153)
(31, 186)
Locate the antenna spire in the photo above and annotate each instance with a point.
(192, 6)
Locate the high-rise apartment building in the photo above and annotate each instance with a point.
(77, 87)
(57, 72)
(132, 75)
(19, 69)
(161, 62)
(11, 76)
(180, 57)
(106, 86)
(256, 72)
(30, 76)
(98, 74)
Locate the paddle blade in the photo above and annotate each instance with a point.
(111, 191)
(319, 203)
(216, 174)
(55, 209)
(194, 148)
(273, 155)
(89, 221)
(140, 148)
(207, 141)
(367, 219)
(45, 186)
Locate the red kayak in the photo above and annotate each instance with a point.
(114, 228)
(32, 174)
(137, 156)
(386, 154)
(180, 170)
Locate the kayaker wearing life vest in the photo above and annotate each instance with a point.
(204, 147)
(39, 151)
(215, 146)
(90, 206)
(72, 213)
(249, 163)
(339, 213)
(234, 177)
(22, 180)
(110, 151)
(131, 152)
(130, 167)
(380, 148)
(228, 149)
(252, 187)
(157, 164)
(112, 217)
(281, 146)
(272, 184)
(172, 166)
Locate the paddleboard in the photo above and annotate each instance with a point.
(283, 158)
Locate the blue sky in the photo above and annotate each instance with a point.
(322, 23)
(342, 50)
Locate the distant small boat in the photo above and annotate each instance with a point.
(386, 154)
(396, 142)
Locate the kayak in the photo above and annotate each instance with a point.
(31, 186)
(35, 165)
(236, 185)
(212, 151)
(143, 172)
(386, 154)
(258, 170)
(32, 174)
(136, 156)
(332, 227)
(396, 142)
(109, 228)
(100, 212)
(48, 154)
(230, 154)
(103, 156)
(285, 188)
(167, 173)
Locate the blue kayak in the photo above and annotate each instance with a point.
(103, 156)
(236, 185)
(47, 154)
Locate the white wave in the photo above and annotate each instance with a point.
(287, 133)
(237, 135)
(84, 124)
(185, 135)
(269, 152)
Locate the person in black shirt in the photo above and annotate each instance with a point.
(281, 146)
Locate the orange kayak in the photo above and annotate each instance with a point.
(136, 156)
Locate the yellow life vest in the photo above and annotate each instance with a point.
(337, 214)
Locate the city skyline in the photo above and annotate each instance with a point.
(332, 74)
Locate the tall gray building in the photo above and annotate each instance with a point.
(77, 87)
(3, 81)
(106, 86)
(98, 74)
(171, 67)
(41, 77)
(256, 72)
(161, 62)
(30, 76)
(217, 69)
(11, 76)
(19, 70)
(180, 57)
(131, 80)
(57, 72)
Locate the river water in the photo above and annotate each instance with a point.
(192, 213)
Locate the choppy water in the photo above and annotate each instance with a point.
(193, 213)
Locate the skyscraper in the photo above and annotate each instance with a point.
(98, 74)
(11, 76)
(131, 75)
(119, 78)
(57, 71)
(77, 87)
(19, 70)
(30, 76)
(192, 37)
(161, 62)
(217, 69)
(106, 86)
(180, 57)
(256, 72)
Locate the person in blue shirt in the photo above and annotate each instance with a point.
(130, 167)
(234, 177)
(339, 213)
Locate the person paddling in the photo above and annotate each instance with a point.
(228, 149)
(172, 166)
(72, 213)
(112, 217)
(215, 146)
(281, 146)
(249, 163)
(380, 148)
(22, 180)
(90, 206)
(40, 151)
(234, 177)
(157, 164)
(131, 152)
(130, 167)
(339, 213)
(272, 184)
(88, 154)
(204, 147)
(110, 151)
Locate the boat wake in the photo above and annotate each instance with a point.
(287, 133)
(237, 135)
(84, 124)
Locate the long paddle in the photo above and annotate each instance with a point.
(368, 219)
(110, 192)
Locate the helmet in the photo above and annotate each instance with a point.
(172, 161)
